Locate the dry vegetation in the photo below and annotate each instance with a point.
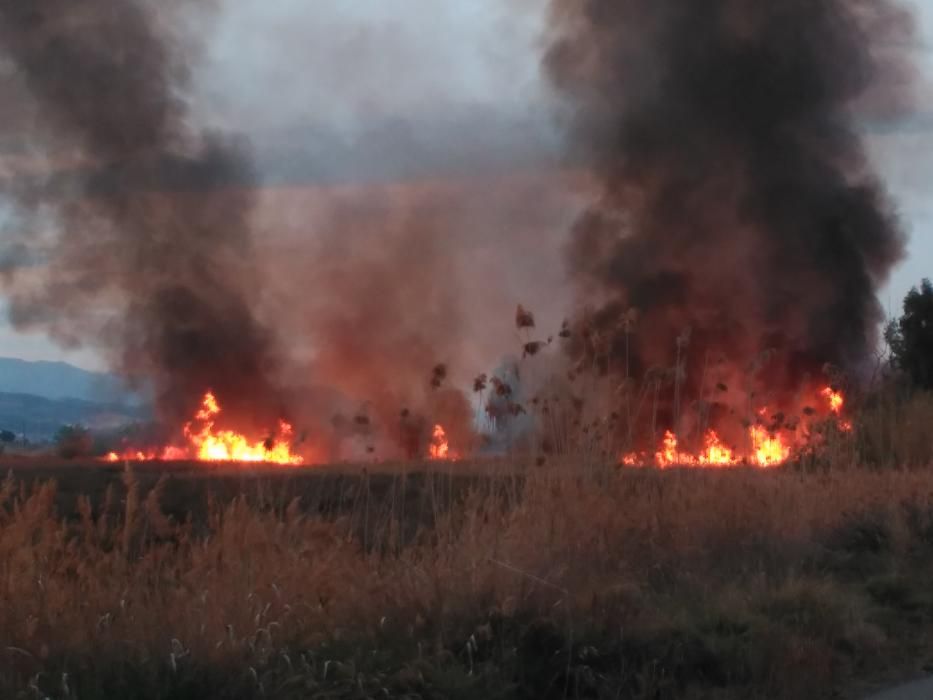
(554, 574)
(568, 580)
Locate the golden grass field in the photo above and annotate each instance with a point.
(461, 580)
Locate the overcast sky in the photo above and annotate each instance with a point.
(327, 80)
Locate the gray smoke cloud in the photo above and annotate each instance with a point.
(284, 272)
(135, 261)
(737, 197)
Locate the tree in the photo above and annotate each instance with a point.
(911, 336)
(73, 441)
(7, 436)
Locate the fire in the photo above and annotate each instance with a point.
(714, 453)
(668, 454)
(769, 450)
(836, 403)
(440, 446)
(835, 398)
(228, 446)
(207, 444)
(765, 447)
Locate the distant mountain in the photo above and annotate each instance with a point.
(39, 418)
(59, 380)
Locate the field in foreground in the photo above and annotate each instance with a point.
(460, 581)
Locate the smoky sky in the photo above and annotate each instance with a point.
(734, 192)
(108, 84)
(738, 200)
(147, 227)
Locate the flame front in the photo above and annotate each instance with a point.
(715, 453)
(766, 448)
(229, 446)
(205, 443)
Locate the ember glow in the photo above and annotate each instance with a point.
(207, 444)
(764, 446)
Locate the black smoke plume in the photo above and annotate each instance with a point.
(737, 197)
(150, 259)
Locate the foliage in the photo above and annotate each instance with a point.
(567, 581)
(911, 336)
(73, 441)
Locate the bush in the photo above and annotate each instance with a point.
(911, 336)
(73, 441)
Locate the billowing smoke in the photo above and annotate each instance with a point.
(377, 285)
(149, 258)
(294, 282)
(381, 310)
(737, 198)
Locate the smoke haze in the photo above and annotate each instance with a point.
(386, 215)
(737, 198)
(133, 228)
(172, 274)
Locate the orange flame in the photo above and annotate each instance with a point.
(766, 448)
(440, 447)
(668, 454)
(715, 453)
(835, 398)
(769, 450)
(230, 446)
(836, 403)
(210, 445)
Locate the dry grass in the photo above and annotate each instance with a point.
(563, 581)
